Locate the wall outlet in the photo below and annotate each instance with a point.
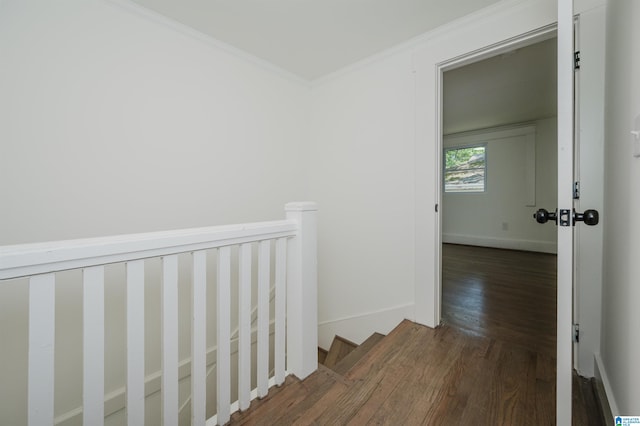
(505, 226)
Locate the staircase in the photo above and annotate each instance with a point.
(418, 375)
(351, 382)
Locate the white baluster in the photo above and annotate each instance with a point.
(41, 349)
(93, 346)
(244, 328)
(199, 340)
(135, 342)
(170, 340)
(280, 309)
(264, 251)
(223, 302)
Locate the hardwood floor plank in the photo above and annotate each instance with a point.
(417, 384)
(584, 395)
(379, 376)
(545, 403)
(511, 387)
(321, 397)
(340, 348)
(357, 404)
(545, 368)
(322, 355)
(357, 354)
(502, 294)
(266, 408)
(326, 402)
(452, 398)
(398, 342)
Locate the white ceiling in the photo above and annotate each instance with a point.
(515, 87)
(312, 38)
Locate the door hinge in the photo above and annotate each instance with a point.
(576, 190)
(576, 333)
(576, 60)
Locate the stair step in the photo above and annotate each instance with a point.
(322, 355)
(357, 354)
(326, 393)
(340, 348)
(287, 403)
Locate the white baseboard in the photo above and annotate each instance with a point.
(360, 326)
(601, 376)
(503, 243)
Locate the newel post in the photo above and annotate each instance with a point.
(302, 291)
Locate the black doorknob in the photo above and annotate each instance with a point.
(589, 217)
(543, 216)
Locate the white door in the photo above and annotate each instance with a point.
(565, 211)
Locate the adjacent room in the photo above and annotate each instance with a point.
(499, 164)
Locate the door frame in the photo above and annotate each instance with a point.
(523, 40)
(564, 319)
(483, 32)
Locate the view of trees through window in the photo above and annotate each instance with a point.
(464, 169)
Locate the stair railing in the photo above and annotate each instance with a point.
(295, 315)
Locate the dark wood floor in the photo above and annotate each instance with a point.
(510, 296)
(501, 294)
(492, 362)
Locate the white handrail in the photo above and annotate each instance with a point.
(31, 259)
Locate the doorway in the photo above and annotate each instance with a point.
(494, 37)
(499, 162)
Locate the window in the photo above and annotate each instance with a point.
(465, 169)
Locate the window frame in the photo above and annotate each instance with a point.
(444, 168)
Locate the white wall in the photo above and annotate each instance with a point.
(501, 216)
(620, 294)
(114, 121)
(373, 169)
(99, 99)
(362, 178)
